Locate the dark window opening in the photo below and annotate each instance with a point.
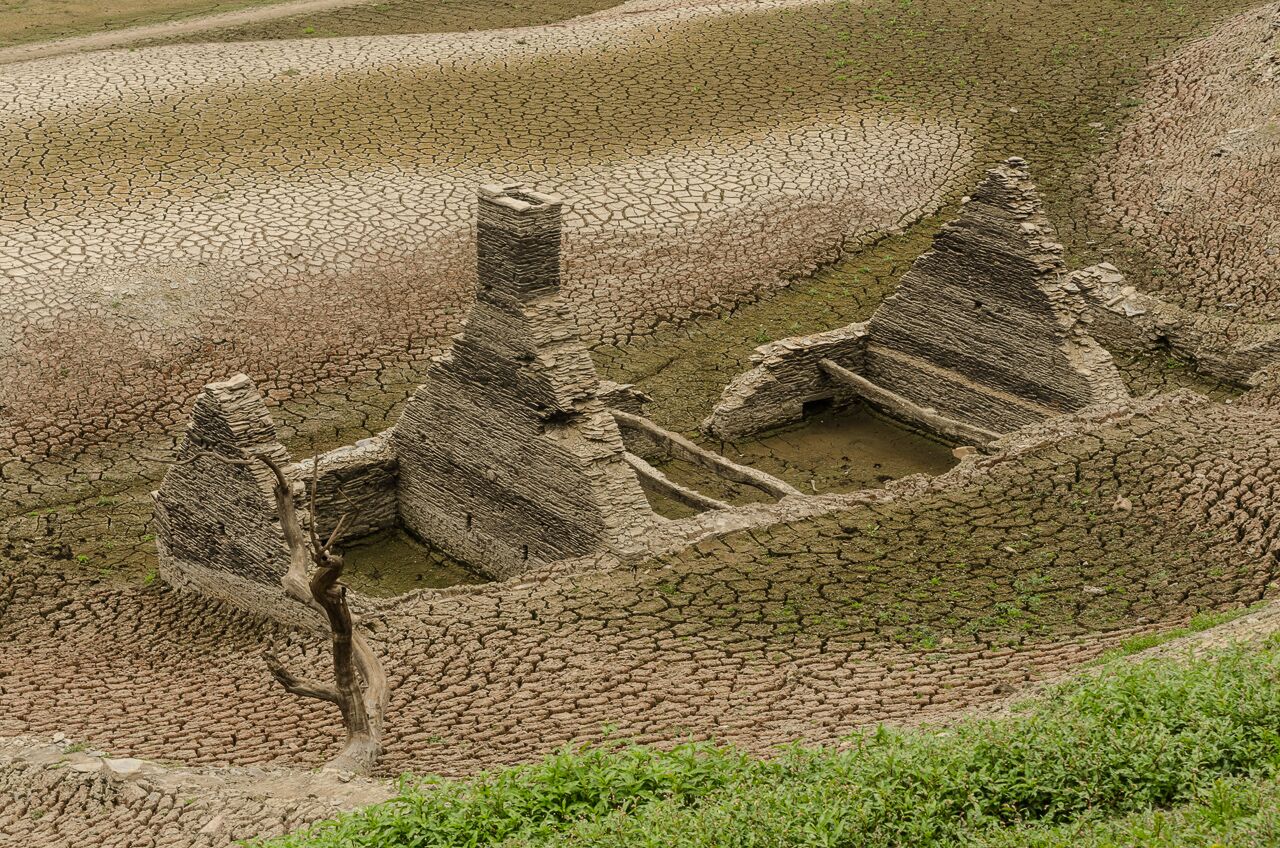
(816, 407)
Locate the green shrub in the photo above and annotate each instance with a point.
(1136, 737)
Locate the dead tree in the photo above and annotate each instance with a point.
(359, 686)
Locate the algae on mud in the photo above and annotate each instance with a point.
(1068, 66)
(837, 450)
(24, 22)
(401, 17)
(1044, 83)
(393, 562)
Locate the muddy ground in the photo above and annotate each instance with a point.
(910, 605)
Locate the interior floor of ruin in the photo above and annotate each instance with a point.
(300, 208)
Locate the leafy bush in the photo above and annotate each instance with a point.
(1136, 737)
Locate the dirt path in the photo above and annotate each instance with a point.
(204, 23)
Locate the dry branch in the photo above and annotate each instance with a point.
(362, 707)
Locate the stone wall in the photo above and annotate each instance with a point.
(216, 524)
(508, 458)
(217, 529)
(785, 379)
(357, 481)
(982, 328)
(984, 331)
(1123, 318)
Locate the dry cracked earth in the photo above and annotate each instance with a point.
(301, 210)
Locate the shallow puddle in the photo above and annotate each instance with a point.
(834, 451)
(842, 451)
(393, 562)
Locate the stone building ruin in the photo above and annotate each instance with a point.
(988, 332)
(511, 455)
(507, 454)
(983, 335)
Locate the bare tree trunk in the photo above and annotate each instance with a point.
(362, 706)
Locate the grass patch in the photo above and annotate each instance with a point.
(1094, 760)
(1231, 811)
(1198, 624)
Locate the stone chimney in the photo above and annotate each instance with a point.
(507, 457)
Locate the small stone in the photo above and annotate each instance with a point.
(126, 767)
(964, 450)
(1094, 591)
(1124, 504)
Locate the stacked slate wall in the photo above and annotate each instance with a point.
(356, 481)
(508, 458)
(981, 327)
(786, 379)
(216, 524)
(1123, 318)
(985, 329)
(217, 528)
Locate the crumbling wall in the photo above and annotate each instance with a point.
(1122, 318)
(216, 525)
(982, 327)
(217, 528)
(784, 380)
(508, 457)
(357, 481)
(983, 332)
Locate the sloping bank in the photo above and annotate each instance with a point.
(1095, 762)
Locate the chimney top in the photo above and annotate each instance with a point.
(518, 197)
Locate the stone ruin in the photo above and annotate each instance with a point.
(510, 456)
(513, 456)
(986, 333)
(506, 449)
(983, 335)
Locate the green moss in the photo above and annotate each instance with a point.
(981, 64)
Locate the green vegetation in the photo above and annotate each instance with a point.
(1163, 752)
(402, 17)
(26, 21)
(1198, 624)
